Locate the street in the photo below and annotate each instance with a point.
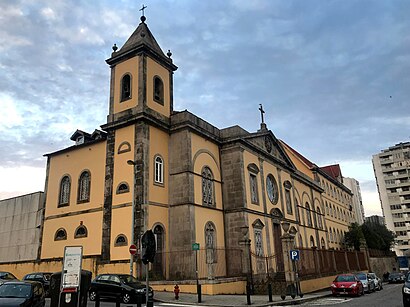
(390, 296)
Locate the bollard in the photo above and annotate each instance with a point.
(199, 291)
(97, 300)
(150, 303)
(270, 292)
(248, 294)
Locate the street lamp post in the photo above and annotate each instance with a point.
(133, 163)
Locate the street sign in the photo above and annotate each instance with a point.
(195, 246)
(295, 255)
(133, 249)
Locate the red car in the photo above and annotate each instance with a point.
(347, 284)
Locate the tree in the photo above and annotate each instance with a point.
(354, 237)
(378, 236)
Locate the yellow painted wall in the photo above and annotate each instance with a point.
(159, 142)
(204, 215)
(73, 163)
(299, 164)
(153, 69)
(91, 244)
(121, 224)
(129, 66)
(123, 172)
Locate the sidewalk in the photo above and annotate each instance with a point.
(236, 300)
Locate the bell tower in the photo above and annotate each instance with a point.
(140, 107)
(141, 78)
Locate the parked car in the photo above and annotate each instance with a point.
(406, 291)
(368, 284)
(378, 283)
(41, 277)
(6, 276)
(396, 277)
(110, 285)
(22, 294)
(347, 284)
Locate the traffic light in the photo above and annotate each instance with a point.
(148, 247)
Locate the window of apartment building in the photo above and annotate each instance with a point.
(397, 215)
(401, 233)
(207, 187)
(400, 224)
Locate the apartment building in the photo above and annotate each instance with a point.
(392, 171)
(357, 202)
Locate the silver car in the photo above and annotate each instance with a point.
(368, 284)
(378, 284)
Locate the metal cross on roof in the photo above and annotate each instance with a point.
(143, 8)
(262, 111)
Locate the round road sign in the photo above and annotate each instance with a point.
(133, 249)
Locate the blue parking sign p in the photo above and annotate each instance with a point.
(294, 255)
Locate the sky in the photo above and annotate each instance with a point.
(332, 76)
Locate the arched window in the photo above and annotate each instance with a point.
(319, 218)
(308, 215)
(126, 87)
(84, 183)
(123, 188)
(61, 234)
(207, 187)
(253, 181)
(322, 243)
(312, 242)
(124, 147)
(210, 242)
(159, 170)
(65, 187)
(80, 232)
(158, 90)
(121, 240)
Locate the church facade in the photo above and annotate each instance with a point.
(151, 167)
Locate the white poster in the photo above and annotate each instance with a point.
(72, 266)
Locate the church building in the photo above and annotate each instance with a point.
(152, 167)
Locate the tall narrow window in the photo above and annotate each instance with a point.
(287, 185)
(258, 242)
(84, 183)
(319, 218)
(207, 187)
(159, 170)
(126, 87)
(158, 90)
(254, 188)
(308, 215)
(210, 242)
(312, 241)
(65, 187)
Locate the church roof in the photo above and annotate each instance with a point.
(141, 39)
(333, 171)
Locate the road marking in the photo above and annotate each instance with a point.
(328, 301)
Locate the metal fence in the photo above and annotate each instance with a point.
(209, 263)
